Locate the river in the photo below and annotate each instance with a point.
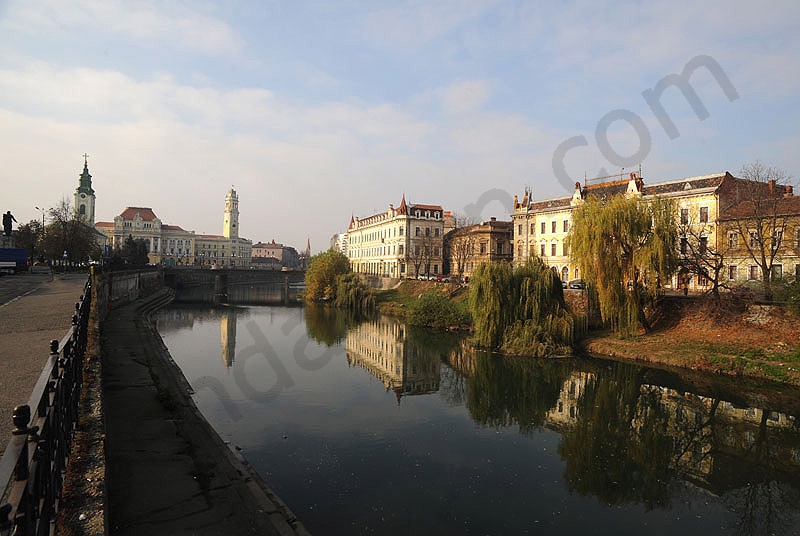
(375, 427)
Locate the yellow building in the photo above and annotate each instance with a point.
(541, 227)
(174, 246)
(400, 242)
(743, 228)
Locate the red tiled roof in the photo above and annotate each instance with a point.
(104, 224)
(210, 236)
(146, 213)
(172, 227)
(786, 206)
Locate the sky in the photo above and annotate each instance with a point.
(316, 111)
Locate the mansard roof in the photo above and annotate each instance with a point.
(690, 183)
(146, 213)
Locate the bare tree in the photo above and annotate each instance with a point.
(759, 220)
(698, 256)
(461, 247)
(69, 234)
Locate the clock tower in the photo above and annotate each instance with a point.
(230, 224)
(84, 195)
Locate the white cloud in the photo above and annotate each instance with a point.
(165, 25)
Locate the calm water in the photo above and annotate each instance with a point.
(379, 428)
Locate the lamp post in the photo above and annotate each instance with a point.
(41, 252)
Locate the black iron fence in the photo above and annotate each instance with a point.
(33, 465)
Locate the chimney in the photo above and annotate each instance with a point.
(788, 191)
(492, 219)
(772, 187)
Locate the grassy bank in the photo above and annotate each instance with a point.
(756, 341)
(731, 339)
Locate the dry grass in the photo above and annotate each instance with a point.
(726, 338)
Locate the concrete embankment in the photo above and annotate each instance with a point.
(167, 470)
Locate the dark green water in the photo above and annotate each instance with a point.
(380, 428)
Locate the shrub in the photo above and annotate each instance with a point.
(435, 309)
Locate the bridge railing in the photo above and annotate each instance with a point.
(33, 464)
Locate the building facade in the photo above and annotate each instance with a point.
(466, 247)
(406, 241)
(760, 234)
(541, 227)
(174, 246)
(274, 254)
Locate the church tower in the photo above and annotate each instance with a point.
(84, 195)
(230, 225)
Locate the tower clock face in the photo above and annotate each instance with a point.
(83, 196)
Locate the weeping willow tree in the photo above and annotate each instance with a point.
(625, 248)
(520, 310)
(353, 294)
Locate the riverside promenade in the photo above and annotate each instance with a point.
(165, 470)
(34, 309)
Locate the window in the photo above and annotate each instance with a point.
(777, 271)
(566, 226)
(703, 214)
(499, 248)
(483, 248)
(754, 239)
(564, 249)
(417, 232)
(400, 250)
(533, 230)
(753, 273)
(777, 239)
(553, 248)
(416, 251)
(564, 274)
(703, 246)
(553, 227)
(435, 251)
(402, 230)
(519, 229)
(427, 231)
(436, 232)
(733, 240)
(519, 250)
(684, 246)
(541, 249)
(732, 272)
(435, 268)
(684, 216)
(543, 228)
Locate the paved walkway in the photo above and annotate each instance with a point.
(33, 310)
(167, 471)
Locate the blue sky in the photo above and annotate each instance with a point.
(318, 110)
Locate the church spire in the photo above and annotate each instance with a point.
(84, 194)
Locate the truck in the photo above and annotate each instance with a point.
(13, 260)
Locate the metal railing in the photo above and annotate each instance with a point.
(33, 465)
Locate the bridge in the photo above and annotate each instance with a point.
(244, 287)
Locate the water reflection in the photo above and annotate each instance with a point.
(395, 355)
(636, 439)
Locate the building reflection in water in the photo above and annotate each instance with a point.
(175, 318)
(385, 348)
(228, 336)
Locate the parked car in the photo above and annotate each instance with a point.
(577, 283)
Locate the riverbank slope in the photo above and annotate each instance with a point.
(726, 337)
(734, 338)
